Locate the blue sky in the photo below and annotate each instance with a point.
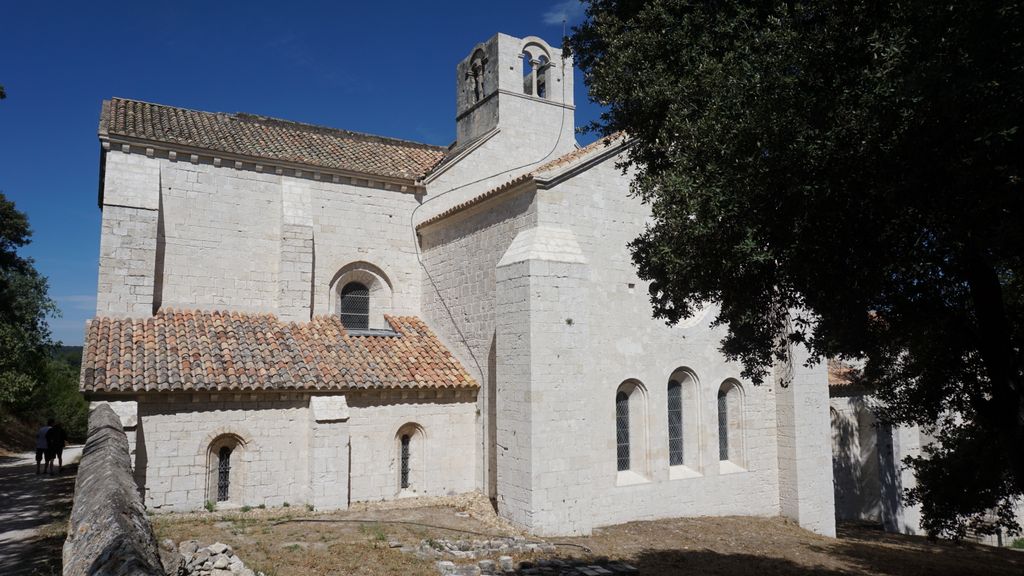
(380, 67)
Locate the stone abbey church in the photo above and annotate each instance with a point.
(293, 313)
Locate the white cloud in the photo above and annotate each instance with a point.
(571, 11)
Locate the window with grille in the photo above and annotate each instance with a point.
(675, 423)
(355, 306)
(405, 461)
(622, 429)
(723, 425)
(223, 474)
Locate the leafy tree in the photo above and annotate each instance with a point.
(859, 162)
(25, 343)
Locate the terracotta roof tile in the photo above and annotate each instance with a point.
(269, 138)
(216, 351)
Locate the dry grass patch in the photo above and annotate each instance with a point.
(291, 542)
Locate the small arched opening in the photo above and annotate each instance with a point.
(410, 459)
(362, 295)
(684, 420)
(225, 470)
(631, 449)
(731, 426)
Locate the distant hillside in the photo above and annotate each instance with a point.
(56, 397)
(71, 355)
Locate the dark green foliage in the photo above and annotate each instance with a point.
(24, 306)
(37, 379)
(857, 161)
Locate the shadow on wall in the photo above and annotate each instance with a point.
(858, 472)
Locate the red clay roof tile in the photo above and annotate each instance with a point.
(216, 351)
(269, 138)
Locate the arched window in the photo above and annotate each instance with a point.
(476, 74)
(404, 480)
(410, 459)
(723, 425)
(684, 418)
(355, 306)
(675, 423)
(223, 474)
(631, 448)
(622, 430)
(731, 425)
(225, 467)
(542, 76)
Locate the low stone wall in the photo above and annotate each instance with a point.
(109, 532)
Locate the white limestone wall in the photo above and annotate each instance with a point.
(627, 343)
(186, 234)
(461, 255)
(855, 461)
(531, 132)
(175, 432)
(221, 237)
(353, 224)
(623, 342)
(128, 244)
(444, 463)
(345, 449)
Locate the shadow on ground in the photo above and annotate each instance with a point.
(33, 502)
(710, 563)
(876, 552)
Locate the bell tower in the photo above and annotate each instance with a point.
(514, 83)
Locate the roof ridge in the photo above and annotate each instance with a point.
(283, 122)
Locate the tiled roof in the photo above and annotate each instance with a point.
(222, 351)
(564, 160)
(840, 374)
(269, 138)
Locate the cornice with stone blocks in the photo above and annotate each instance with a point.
(184, 153)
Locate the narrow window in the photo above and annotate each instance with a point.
(622, 429)
(675, 423)
(529, 74)
(723, 425)
(405, 461)
(542, 77)
(223, 474)
(355, 306)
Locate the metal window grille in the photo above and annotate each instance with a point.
(622, 429)
(355, 306)
(723, 425)
(675, 423)
(405, 461)
(223, 473)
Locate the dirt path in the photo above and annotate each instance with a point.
(33, 513)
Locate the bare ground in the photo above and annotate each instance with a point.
(34, 512)
(293, 542)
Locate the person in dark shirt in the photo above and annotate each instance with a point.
(41, 445)
(55, 440)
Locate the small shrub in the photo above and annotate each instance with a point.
(286, 504)
(309, 507)
(262, 506)
(208, 506)
(1018, 544)
(246, 508)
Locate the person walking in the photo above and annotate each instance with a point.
(41, 445)
(56, 438)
